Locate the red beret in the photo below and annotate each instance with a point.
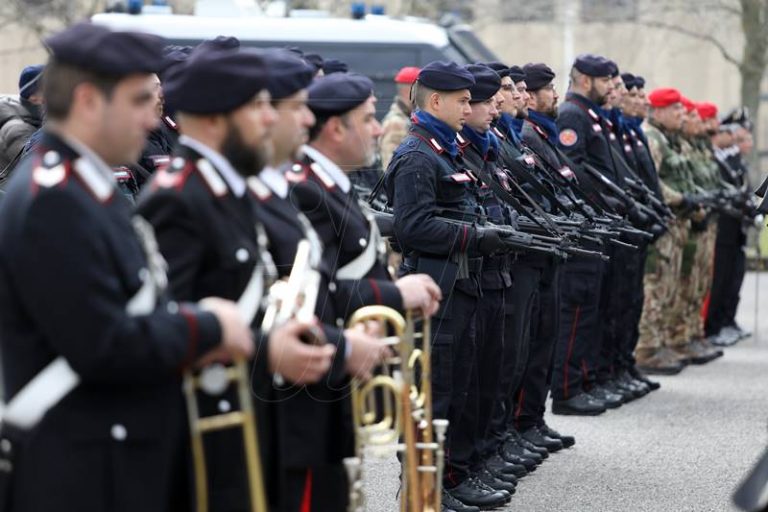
(706, 110)
(407, 75)
(688, 104)
(664, 97)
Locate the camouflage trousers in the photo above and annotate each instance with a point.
(662, 274)
(694, 285)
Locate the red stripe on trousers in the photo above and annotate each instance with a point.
(520, 398)
(570, 351)
(306, 501)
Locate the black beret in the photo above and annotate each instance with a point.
(288, 73)
(445, 76)
(331, 66)
(639, 82)
(538, 75)
(487, 82)
(517, 74)
(222, 43)
(214, 81)
(97, 48)
(629, 80)
(593, 65)
(614, 69)
(338, 93)
(498, 67)
(173, 56)
(314, 60)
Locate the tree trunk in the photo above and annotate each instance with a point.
(753, 62)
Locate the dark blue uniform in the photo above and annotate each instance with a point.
(495, 279)
(424, 182)
(209, 237)
(70, 272)
(582, 140)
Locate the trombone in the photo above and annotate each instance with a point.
(215, 380)
(392, 413)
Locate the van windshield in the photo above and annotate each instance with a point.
(469, 45)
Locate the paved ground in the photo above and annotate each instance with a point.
(682, 448)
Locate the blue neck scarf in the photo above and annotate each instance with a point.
(636, 125)
(517, 127)
(546, 123)
(444, 134)
(481, 140)
(507, 125)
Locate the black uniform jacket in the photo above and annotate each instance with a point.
(209, 237)
(71, 271)
(583, 137)
(346, 234)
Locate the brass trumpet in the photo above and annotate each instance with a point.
(296, 298)
(394, 406)
(215, 380)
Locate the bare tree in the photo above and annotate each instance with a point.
(716, 22)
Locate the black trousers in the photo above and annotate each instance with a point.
(518, 304)
(545, 314)
(621, 295)
(730, 268)
(486, 374)
(315, 489)
(634, 313)
(578, 341)
(454, 337)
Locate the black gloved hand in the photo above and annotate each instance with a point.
(489, 242)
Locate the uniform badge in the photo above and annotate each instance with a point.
(568, 137)
(528, 159)
(597, 128)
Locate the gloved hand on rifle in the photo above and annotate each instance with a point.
(491, 242)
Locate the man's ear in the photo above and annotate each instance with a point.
(88, 100)
(335, 128)
(435, 101)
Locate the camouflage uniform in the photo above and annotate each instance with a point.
(695, 287)
(661, 321)
(394, 128)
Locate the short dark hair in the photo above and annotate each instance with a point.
(60, 81)
(321, 119)
(420, 93)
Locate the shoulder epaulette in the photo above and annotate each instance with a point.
(461, 141)
(259, 189)
(593, 114)
(498, 133)
(321, 173)
(99, 185)
(212, 179)
(51, 170)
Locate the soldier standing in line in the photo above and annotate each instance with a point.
(394, 126)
